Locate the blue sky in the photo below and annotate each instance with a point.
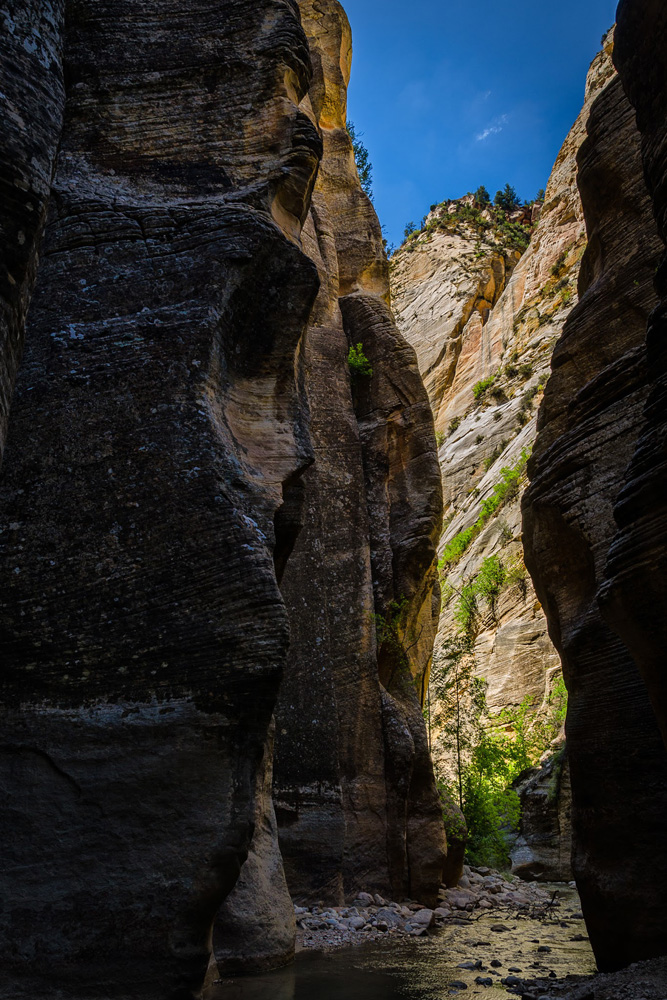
(458, 93)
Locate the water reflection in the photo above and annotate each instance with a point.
(428, 969)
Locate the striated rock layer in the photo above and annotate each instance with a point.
(589, 424)
(634, 596)
(182, 417)
(473, 312)
(508, 338)
(354, 787)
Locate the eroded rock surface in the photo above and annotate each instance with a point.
(590, 420)
(484, 324)
(634, 598)
(183, 417)
(154, 421)
(506, 338)
(355, 794)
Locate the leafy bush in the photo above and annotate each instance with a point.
(454, 424)
(517, 576)
(358, 362)
(489, 581)
(440, 438)
(479, 388)
(410, 228)
(482, 196)
(559, 267)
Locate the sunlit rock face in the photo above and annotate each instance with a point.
(185, 439)
(354, 787)
(593, 414)
(475, 312)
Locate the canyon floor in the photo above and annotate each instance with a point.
(492, 935)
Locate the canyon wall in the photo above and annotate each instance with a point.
(185, 440)
(633, 595)
(484, 317)
(365, 562)
(594, 511)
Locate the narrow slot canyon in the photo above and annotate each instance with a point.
(333, 601)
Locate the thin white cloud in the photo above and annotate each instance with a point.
(493, 129)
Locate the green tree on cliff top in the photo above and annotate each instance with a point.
(507, 199)
(362, 160)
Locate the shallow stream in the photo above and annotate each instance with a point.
(429, 968)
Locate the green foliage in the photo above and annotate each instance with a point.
(455, 549)
(482, 196)
(559, 267)
(410, 229)
(517, 575)
(489, 581)
(525, 371)
(514, 235)
(540, 196)
(506, 534)
(505, 490)
(358, 362)
(507, 199)
(479, 388)
(489, 753)
(440, 438)
(454, 424)
(486, 586)
(362, 160)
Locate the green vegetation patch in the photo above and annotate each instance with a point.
(479, 389)
(358, 362)
(505, 490)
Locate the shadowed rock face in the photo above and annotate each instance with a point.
(355, 793)
(33, 99)
(183, 415)
(589, 423)
(634, 598)
(155, 419)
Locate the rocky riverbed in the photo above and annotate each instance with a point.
(642, 981)
(407, 952)
(480, 891)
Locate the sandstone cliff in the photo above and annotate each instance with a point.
(590, 463)
(184, 437)
(484, 326)
(356, 777)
